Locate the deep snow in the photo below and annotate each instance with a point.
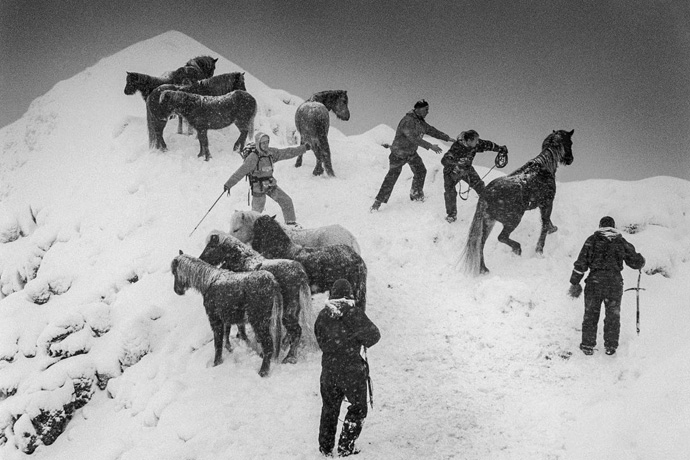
(472, 368)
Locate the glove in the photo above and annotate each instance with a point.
(575, 290)
(503, 150)
(227, 189)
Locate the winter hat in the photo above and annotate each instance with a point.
(607, 221)
(420, 104)
(468, 135)
(258, 136)
(341, 289)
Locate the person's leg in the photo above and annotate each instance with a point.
(590, 320)
(418, 177)
(331, 398)
(258, 202)
(394, 170)
(285, 203)
(450, 181)
(475, 181)
(612, 320)
(356, 394)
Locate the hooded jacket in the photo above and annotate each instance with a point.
(409, 134)
(341, 330)
(249, 166)
(603, 254)
(462, 155)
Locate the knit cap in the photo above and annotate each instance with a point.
(607, 221)
(341, 289)
(420, 104)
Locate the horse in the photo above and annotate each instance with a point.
(506, 199)
(232, 254)
(323, 265)
(312, 122)
(228, 298)
(195, 69)
(242, 228)
(213, 86)
(202, 113)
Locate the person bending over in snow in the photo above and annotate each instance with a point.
(258, 167)
(603, 255)
(457, 166)
(341, 330)
(408, 136)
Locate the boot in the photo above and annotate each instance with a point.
(417, 196)
(375, 206)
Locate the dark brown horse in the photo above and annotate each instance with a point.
(507, 198)
(312, 122)
(202, 113)
(195, 69)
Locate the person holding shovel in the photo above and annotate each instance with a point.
(603, 254)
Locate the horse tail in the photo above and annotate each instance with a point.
(307, 317)
(151, 124)
(471, 256)
(277, 320)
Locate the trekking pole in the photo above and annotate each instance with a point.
(209, 210)
(637, 289)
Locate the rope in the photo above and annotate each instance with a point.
(464, 196)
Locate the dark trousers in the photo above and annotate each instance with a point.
(609, 293)
(450, 181)
(335, 387)
(395, 168)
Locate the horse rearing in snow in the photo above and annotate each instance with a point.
(228, 298)
(507, 198)
(312, 122)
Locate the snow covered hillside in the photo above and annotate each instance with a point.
(101, 360)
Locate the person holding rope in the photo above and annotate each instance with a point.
(603, 255)
(457, 166)
(341, 330)
(258, 168)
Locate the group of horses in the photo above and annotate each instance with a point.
(264, 273)
(213, 102)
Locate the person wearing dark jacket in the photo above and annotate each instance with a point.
(408, 136)
(457, 166)
(603, 254)
(341, 330)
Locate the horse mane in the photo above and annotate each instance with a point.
(205, 64)
(271, 238)
(552, 153)
(247, 257)
(244, 216)
(328, 98)
(225, 82)
(195, 273)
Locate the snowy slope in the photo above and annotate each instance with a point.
(472, 368)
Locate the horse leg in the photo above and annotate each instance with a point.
(488, 225)
(291, 323)
(326, 157)
(262, 330)
(546, 226)
(239, 143)
(242, 332)
(217, 328)
(508, 227)
(318, 153)
(180, 124)
(202, 135)
(226, 337)
(298, 162)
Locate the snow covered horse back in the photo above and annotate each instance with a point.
(323, 265)
(230, 297)
(202, 113)
(312, 122)
(232, 254)
(242, 228)
(507, 198)
(195, 69)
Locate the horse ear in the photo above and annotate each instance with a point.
(242, 73)
(571, 132)
(128, 73)
(215, 238)
(274, 216)
(215, 60)
(181, 252)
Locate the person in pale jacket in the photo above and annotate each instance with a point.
(258, 168)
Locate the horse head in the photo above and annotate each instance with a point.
(179, 286)
(238, 81)
(561, 142)
(269, 238)
(340, 107)
(206, 64)
(131, 85)
(213, 252)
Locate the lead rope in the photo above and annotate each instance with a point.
(466, 194)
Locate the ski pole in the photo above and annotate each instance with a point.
(209, 210)
(637, 289)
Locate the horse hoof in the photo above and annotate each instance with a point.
(552, 229)
(290, 360)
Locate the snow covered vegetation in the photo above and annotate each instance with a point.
(101, 360)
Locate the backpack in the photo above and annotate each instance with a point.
(259, 184)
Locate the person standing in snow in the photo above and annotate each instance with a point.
(408, 136)
(258, 167)
(603, 255)
(457, 166)
(341, 330)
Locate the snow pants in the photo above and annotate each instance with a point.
(280, 197)
(334, 387)
(450, 181)
(395, 168)
(609, 293)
